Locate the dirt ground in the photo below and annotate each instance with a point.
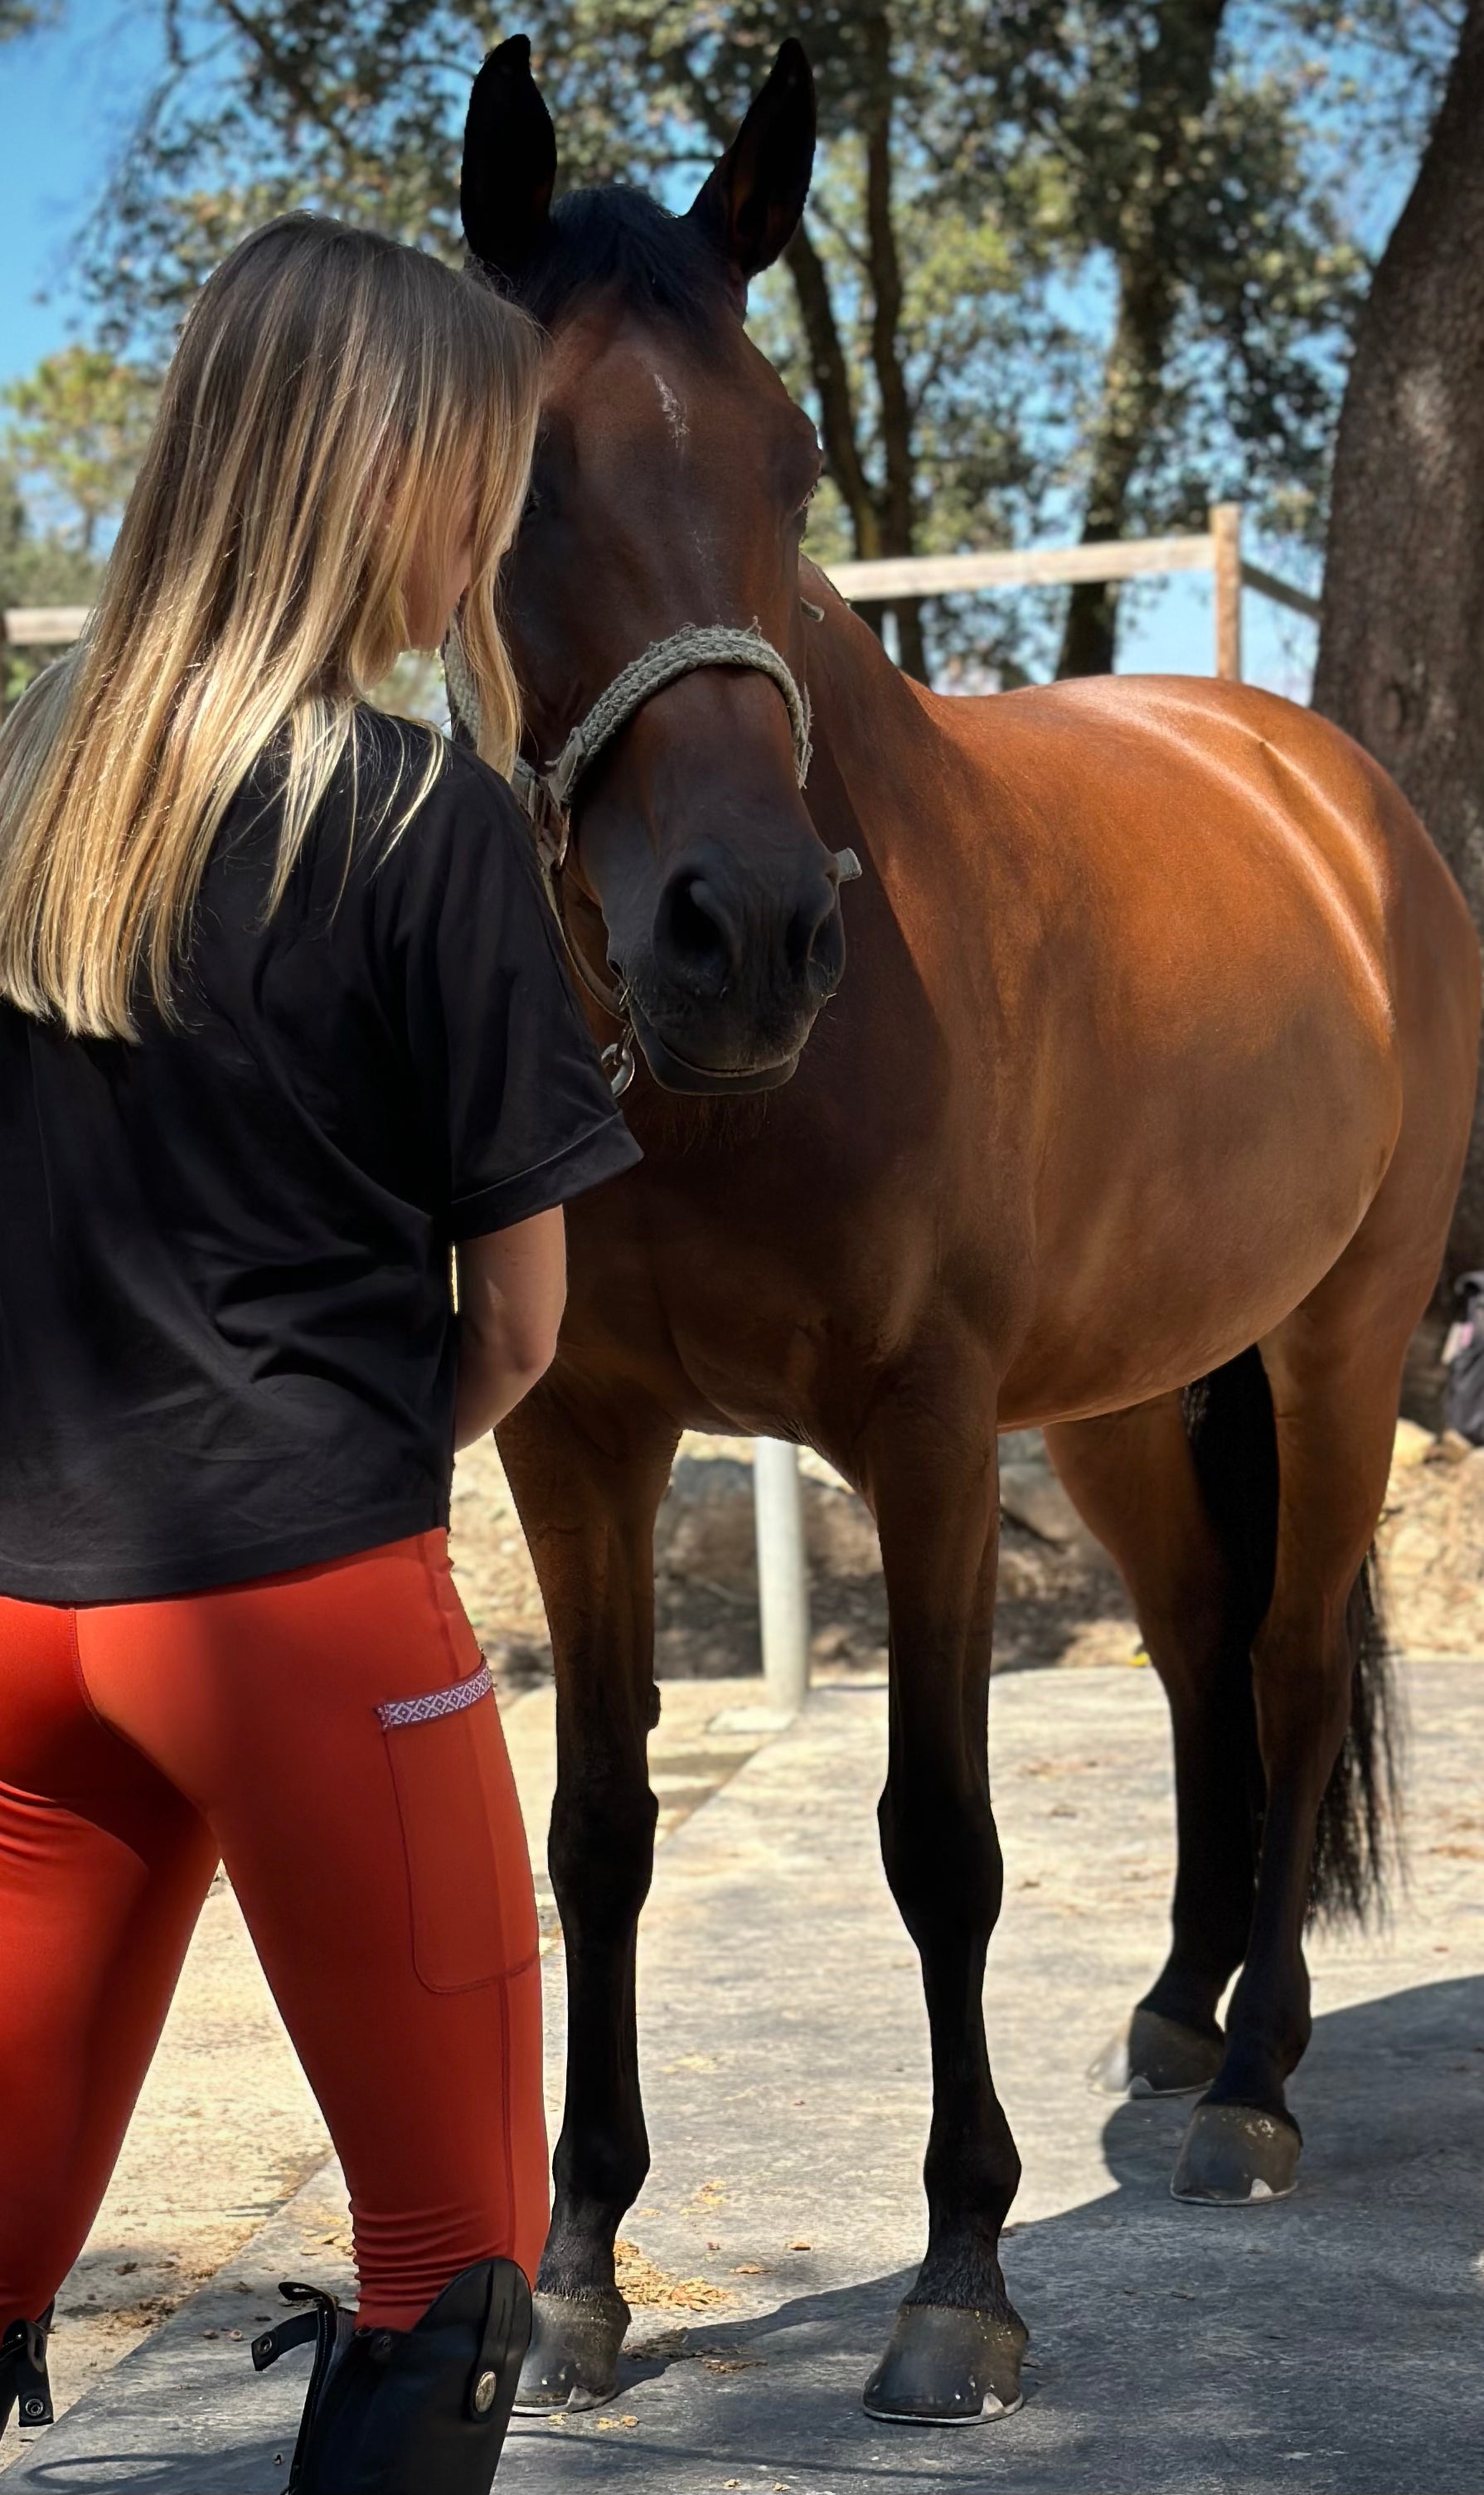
(1061, 1601)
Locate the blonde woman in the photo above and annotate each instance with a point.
(282, 1023)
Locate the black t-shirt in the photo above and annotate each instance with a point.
(227, 1343)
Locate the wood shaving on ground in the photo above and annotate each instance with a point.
(641, 2282)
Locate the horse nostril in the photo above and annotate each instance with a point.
(814, 938)
(694, 935)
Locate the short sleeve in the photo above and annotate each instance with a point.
(502, 1058)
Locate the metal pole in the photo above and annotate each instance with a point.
(1226, 538)
(782, 1576)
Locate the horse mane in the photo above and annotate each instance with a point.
(618, 240)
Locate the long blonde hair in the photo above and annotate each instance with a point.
(333, 396)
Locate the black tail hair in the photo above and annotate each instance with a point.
(1230, 1421)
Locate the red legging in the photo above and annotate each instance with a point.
(332, 1737)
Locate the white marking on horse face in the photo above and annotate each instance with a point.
(675, 413)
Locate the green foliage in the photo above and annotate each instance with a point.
(1036, 149)
(78, 425)
(37, 568)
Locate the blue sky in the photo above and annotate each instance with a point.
(67, 97)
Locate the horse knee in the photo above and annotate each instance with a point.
(600, 1853)
(941, 1857)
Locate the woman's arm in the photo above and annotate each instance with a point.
(511, 1291)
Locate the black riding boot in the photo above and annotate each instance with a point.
(23, 2382)
(420, 2412)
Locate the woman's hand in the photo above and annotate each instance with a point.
(511, 1291)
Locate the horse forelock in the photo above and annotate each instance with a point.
(618, 242)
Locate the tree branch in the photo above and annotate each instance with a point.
(285, 74)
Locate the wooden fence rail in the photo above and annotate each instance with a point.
(1219, 551)
(39, 628)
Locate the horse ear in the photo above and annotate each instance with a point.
(752, 200)
(509, 160)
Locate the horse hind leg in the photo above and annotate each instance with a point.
(1318, 1669)
(1182, 1492)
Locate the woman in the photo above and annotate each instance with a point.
(282, 1025)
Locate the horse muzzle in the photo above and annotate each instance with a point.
(726, 991)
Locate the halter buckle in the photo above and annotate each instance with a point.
(549, 820)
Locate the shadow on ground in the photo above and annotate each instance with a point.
(1327, 2342)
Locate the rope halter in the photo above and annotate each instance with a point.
(547, 790)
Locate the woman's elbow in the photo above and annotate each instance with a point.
(533, 1352)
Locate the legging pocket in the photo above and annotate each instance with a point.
(467, 1874)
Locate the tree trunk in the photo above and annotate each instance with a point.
(837, 405)
(832, 386)
(1174, 89)
(897, 499)
(1402, 635)
(1131, 391)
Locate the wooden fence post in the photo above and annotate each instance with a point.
(1226, 547)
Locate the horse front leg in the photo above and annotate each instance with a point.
(588, 1478)
(933, 1474)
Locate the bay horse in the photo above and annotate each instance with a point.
(1139, 1117)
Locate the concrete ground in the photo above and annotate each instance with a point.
(1328, 2342)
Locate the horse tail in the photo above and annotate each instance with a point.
(1357, 1845)
(1228, 1419)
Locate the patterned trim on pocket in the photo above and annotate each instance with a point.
(438, 1701)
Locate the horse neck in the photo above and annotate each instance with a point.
(872, 728)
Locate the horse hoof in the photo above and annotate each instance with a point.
(1234, 2154)
(948, 2364)
(1155, 2057)
(573, 2359)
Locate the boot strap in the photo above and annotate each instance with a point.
(273, 2344)
(33, 2382)
(330, 2328)
(495, 2351)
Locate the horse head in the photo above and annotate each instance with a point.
(670, 487)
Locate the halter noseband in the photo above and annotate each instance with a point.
(545, 792)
